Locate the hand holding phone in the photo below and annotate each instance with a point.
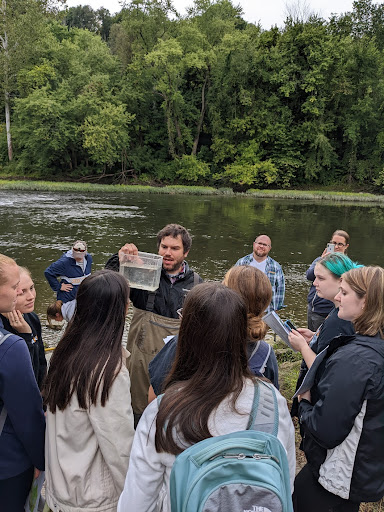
(290, 325)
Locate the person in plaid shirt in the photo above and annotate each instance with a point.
(260, 259)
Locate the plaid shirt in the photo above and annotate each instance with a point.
(275, 274)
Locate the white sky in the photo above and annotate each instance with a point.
(268, 12)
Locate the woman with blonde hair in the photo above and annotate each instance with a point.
(25, 323)
(344, 426)
(22, 423)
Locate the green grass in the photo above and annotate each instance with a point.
(51, 186)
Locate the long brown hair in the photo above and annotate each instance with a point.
(210, 364)
(89, 356)
(256, 290)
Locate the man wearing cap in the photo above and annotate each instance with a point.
(156, 314)
(260, 259)
(65, 274)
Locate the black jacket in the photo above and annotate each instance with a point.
(350, 406)
(331, 327)
(168, 297)
(34, 343)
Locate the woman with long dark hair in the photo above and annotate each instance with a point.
(342, 414)
(209, 392)
(87, 393)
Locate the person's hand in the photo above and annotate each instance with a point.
(325, 252)
(305, 396)
(126, 251)
(297, 341)
(36, 473)
(307, 334)
(18, 322)
(66, 287)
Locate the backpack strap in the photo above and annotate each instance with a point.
(259, 357)
(3, 413)
(196, 279)
(264, 416)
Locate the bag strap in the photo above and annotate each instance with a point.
(257, 345)
(3, 413)
(261, 352)
(264, 416)
(196, 279)
(150, 301)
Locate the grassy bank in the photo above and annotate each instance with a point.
(317, 195)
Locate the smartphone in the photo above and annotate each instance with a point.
(330, 248)
(290, 325)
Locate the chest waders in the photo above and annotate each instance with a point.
(145, 339)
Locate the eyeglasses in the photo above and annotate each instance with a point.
(79, 250)
(262, 244)
(338, 244)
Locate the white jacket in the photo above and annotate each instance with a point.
(148, 470)
(87, 452)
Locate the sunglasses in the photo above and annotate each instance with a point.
(79, 250)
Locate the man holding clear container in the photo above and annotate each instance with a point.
(155, 314)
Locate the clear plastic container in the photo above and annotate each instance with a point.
(142, 271)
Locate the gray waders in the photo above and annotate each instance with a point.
(145, 340)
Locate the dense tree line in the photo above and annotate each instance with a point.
(207, 98)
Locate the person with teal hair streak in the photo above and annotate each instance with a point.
(328, 272)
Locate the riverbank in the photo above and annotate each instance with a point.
(313, 195)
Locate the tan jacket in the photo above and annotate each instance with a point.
(87, 452)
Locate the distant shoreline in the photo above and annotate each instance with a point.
(312, 195)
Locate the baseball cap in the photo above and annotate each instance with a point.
(79, 246)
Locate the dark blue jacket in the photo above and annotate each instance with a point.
(22, 438)
(63, 268)
(161, 364)
(315, 303)
(34, 343)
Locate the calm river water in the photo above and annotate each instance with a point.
(36, 228)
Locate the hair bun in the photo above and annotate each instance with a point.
(257, 328)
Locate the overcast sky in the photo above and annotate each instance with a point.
(267, 12)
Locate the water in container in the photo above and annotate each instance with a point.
(142, 271)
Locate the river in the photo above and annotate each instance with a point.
(36, 228)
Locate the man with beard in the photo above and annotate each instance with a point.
(155, 314)
(260, 259)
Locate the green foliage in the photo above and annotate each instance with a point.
(191, 169)
(205, 98)
(260, 174)
(105, 134)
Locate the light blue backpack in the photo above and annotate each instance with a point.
(239, 472)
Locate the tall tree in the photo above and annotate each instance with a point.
(21, 28)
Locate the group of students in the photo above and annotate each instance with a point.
(207, 378)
